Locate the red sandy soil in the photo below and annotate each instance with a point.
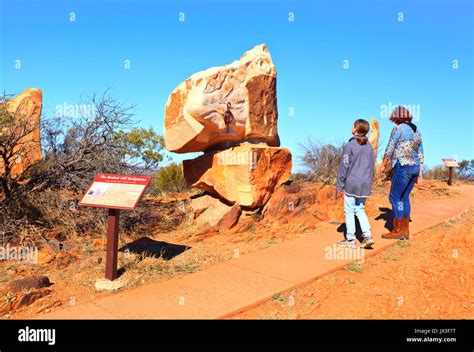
(431, 276)
(75, 270)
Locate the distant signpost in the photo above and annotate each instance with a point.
(450, 164)
(114, 192)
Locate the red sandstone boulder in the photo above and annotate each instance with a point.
(26, 110)
(246, 175)
(224, 104)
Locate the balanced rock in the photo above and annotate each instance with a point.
(222, 105)
(25, 109)
(247, 174)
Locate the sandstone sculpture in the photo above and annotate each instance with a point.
(374, 136)
(224, 104)
(25, 109)
(230, 113)
(246, 174)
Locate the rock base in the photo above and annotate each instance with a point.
(245, 175)
(108, 285)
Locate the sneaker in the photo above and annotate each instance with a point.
(368, 242)
(347, 244)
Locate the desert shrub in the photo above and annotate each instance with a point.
(153, 216)
(438, 172)
(75, 149)
(322, 160)
(298, 176)
(441, 172)
(466, 170)
(169, 179)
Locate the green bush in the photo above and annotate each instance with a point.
(169, 179)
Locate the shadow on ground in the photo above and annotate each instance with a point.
(343, 229)
(387, 216)
(148, 247)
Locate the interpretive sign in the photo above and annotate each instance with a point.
(115, 192)
(450, 164)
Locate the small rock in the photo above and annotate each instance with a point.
(27, 283)
(92, 261)
(108, 285)
(23, 300)
(230, 219)
(29, 298)
(63, 260)
(243, 226)
(211, 210)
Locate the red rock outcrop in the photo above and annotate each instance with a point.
(247, 174)
(26, 110)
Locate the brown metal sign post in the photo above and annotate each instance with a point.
(450, 164)
(450, 176)
(112, 244)
(114, 192)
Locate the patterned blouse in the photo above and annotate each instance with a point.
(405, 146)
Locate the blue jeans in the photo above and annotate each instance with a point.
(355, 206)
(403, 180)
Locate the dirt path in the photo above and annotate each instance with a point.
(430, 277)
(242, 283)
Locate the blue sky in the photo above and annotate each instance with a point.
(391, 62)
